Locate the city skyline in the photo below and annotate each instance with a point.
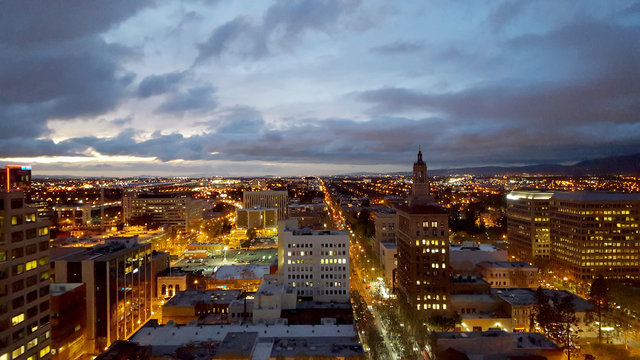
(314, 88)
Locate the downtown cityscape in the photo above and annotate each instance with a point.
(319, 179)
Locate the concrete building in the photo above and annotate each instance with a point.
(68, 321)
(423, 275)
(316, 263)
(273, 296)
(267, 199)
(385, 222)
(595, 233)
(259, 218)
(528, 225)
(170, 283)
(24, 280)
(75, 215)
(508, 274)
(117, 275)
(389, 261)
(162, 209)
(464, 257)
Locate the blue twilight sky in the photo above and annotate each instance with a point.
(125, 87)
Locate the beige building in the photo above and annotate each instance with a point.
(385, 222)
(595, 233)
(315, 263)
(257, 218)
(508, 274)
(25, 329)
(266, 199)
(389, 261)
(528, 225)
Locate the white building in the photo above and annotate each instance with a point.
(464, 257)
(389, 260)
(278, 199)
(315, 263)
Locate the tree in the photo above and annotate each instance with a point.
(444, 322)
(599, 296)
(251, 233)
(557, 317)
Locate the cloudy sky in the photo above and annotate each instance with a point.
(125, 87)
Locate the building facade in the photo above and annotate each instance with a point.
(508, 274)
(257, 218)
(25, 328)
(266, 199)
(68, 321)
(423, 275)
(528, 225)
(385, 226)
(15, 177)
(117, 275)
(315, 263)
(595, 233)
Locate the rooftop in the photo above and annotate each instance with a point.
(506, 264)
(530, 195)
(525, 296)
(389, 245)
(58, 289)
(193, 297)
(300, 232)
(423, 209)
(240, 272)
(592, 196)
(471, 246)
(520, 340)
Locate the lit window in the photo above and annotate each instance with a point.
(17, 319)
(32, 265)
(44, 351)
(17, 352)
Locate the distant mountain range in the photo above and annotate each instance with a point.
(615, 165)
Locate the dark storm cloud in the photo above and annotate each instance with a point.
(159, 84)
(397, 47)
(55, 64)
(284, 23)
(198, 99)
(33, 22)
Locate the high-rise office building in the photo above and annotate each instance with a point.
(315, 263)
(162, 209)
(423, 275)
(25, 329)
(117, 275)
(528, 225)
(15, 177)
(267, 199)
(595, 233)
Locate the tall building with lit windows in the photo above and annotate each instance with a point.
(315, 263)
(595, 233)
(25, 330)
(528, 225)
(117, 276)
(423, 275)
(278, 199)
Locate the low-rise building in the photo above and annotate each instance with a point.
(464, 257)
(508, 274)
(254, 341)
(257, 218)
(492, 345)
(389, 261)
(194, 305)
